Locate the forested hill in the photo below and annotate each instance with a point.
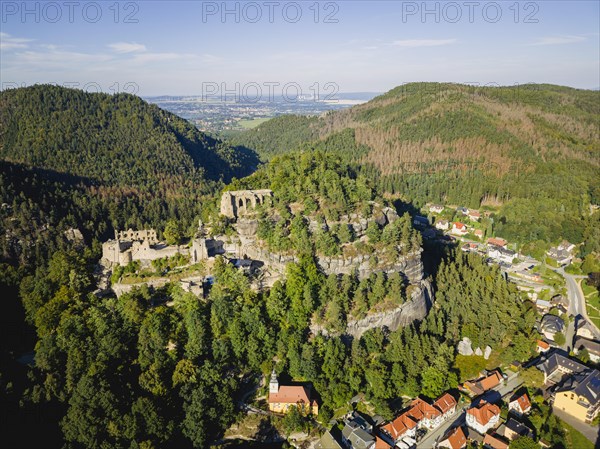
(114, 140)
(531, 152)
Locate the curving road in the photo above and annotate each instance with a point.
(577, 299)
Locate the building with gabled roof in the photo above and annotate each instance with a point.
(456, 439)
(520, 404)
(497, 241)
(283, 397)
(381, 444)
(558, 365)
(329, 441)
(446, 404)
(542, 346)
(483, 416)
(579, 395)
(591, 346)
(401, 427)
(584, 328)
(459, 228)
(483, 384)
(493, 441)
(513, 429)
(425, 414)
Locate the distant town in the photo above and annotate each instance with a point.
(234, 113)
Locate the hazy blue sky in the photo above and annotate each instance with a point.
(178, 47)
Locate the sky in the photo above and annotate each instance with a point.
(278, 47)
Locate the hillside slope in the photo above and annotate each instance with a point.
(529, 152)
(114, 140)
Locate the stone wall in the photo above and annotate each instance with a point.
(130, 235)
(237, 203)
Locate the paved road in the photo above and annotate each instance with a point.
(432, 436)
(577, 298)
(458, 419)
(588, 431)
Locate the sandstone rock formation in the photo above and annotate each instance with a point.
(464, 346)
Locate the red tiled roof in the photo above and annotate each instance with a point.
(523, 401)
(421, 409)
(542, 344)
(494, 442)
(484, 412)
(445, 402)
(290, 394)
(457, 439)
(400, 426)
(497, 241)
(458, 225)
(490, 381)
(380, 444)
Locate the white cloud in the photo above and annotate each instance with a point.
(413, 43)
(559, 40)
(8, 42)
(127, 47)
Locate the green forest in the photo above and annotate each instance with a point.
(161, 368)
(529, 153)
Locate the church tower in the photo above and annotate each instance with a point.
(274, 383)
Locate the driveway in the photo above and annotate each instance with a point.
(588, 431)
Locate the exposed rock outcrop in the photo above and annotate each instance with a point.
(464, 346)
(415, 309)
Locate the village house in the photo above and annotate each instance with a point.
(542, 346)
(421, 414)
(513, 429)
(584, 329)
(496, 241)
(560, 301)
(459, 228)
(551, 325)
(442, 225)
(579, 395)
(519, 405)
(501, 254)
(328, 441)
(436, 208)
(420, 221)
(478, 233)
(483, 384)
(356, 437)
(494, 441)
(474, 215)
(543, 306)
(592, 347)
(456, 439)
(283, 397)
(483, 417)
(563, 253)
(402, 426)
(446, 404)
(558, 366)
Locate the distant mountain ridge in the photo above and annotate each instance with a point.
(531, 148)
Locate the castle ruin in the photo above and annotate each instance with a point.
(240, 202)
(131, 245)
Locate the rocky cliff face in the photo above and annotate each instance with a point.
(414, 309)
(410, 266)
